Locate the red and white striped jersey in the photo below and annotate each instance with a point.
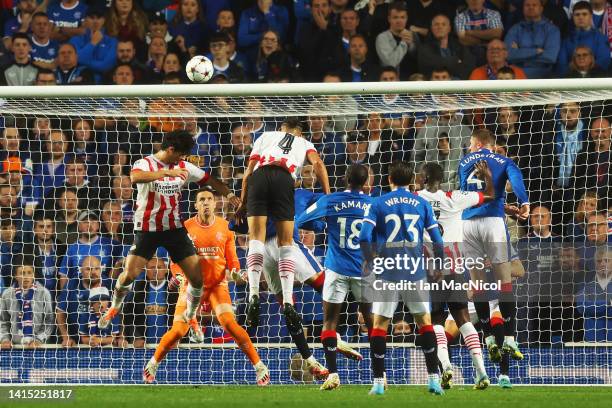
(448, 206)
(157, 203)
(281, 149)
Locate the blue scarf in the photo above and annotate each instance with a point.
(477, 21)
(25, 317)
(567, 146)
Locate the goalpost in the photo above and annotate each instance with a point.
(66, 150)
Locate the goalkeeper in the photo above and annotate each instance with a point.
(216, 250)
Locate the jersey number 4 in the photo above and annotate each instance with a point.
(286, 143)
(473, 179)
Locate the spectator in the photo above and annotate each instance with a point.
(337, 7)
(68, 70)
(21, 71)
(583, 34)
(595, 300)
(123, 75)
(207, 145)
(19, 23)
(44, 49)
(336, 52)
(398, 122)
(512, 131)
(74, 298)
(11, 146)
(96, 49)
(570, 138)
(172, 63)
(123, 194)
(422, 13)
(583, 64)
(156, 54)
(497, 58)
(592, 167)
(66, 214)
(84, 145)
(75, 176)
(45, 77)
(28, 189)
(89, 243)
(269, 56)
(113, 226)
(211, 10)
(533, 43)
(127, 22)
(377, 17)
(89, 333)
(574, 230)
(596, 228)
(225, 20)
(52, 167)
(154, 318)
(397, 46)
(477, 26)
(358, 69)
(46, 252)
(242, 142)
(257, 20)
(239, 58)
(220, 57)
(126, 54)
(314, 37)
(344, 122)
(444, 125)
(441, 50)
(11, 242)
(357, 144)
(26, 315)
(440, 74)
(188, 26)
(329, 145)
(67, 18)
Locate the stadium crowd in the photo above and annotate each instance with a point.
(67, 203)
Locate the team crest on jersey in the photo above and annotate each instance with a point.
(219, 236)
(51, 52)
(77, 14)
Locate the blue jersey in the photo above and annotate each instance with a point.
(502, 169)
(156, 310)
(63, 17)
(344, 212)
(401, 217)
(103, 248)
(88, 325)
(44, 52)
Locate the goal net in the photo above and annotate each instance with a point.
(67, 207)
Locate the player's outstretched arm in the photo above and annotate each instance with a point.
(222, 189)
(141, 176)
(314, 212)
(485, 172)
(518, 186)
(241, 211)
(319, 169)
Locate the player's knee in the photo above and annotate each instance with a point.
(180, 327)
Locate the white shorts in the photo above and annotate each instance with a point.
(306, 265)
(337, 286)
(493, 305)
(387, 308)
(486, 236)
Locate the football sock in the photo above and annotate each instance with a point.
(119, 294)
(428, 345)
(378, 346)
(286, 271)
(241, 337)
(472, 342)
(170, 339)
(442, 347)
(330, 343)
(481, 304)
(255, 266)
(507, 307)
(193, 301)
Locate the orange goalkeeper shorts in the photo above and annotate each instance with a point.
(214, 296)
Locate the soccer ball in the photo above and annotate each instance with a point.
(199, 69)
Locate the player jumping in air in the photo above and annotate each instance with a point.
(268, 190)
(160, 178)
(216, 250)
(344, 213)
(448, 206)
(485, 233)
(397, 221)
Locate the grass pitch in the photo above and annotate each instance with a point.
(310, 396)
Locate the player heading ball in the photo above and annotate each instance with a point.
(160, 177)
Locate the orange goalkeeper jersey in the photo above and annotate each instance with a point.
(215, 247)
